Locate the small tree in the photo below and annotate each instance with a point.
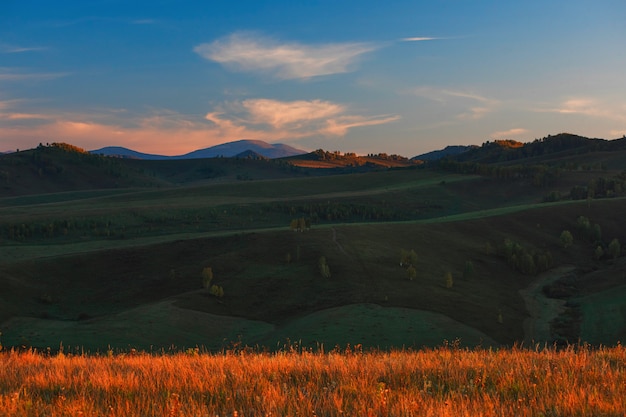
(615, 249)
(408, 257)
(566, 239)
(216, 291)
(598, 253)
(324, 268)
(207, 277)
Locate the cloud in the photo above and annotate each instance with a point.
(250, 53)
(505, 134)
(418, 39)
(592, 107)
(472, 106)
(12, 74)
(144, 22)
(292, 119)
(281, 114)
(340, 126)
(12, 49)
(171, 133)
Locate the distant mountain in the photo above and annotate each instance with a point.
(442, 153)
(231, 149)
(227, 150)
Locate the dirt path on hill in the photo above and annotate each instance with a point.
(542, 309)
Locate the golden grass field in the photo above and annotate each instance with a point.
(445, 381)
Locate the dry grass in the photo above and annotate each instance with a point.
(578, 381)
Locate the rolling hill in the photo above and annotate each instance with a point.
(99, 252)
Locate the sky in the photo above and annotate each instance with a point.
(400, 77)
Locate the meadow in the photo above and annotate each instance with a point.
(416, 291)
(444, 381)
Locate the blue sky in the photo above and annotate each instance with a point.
(363, 76)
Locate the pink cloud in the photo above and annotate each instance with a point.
(171, 133)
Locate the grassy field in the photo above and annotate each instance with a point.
(121, 266)
(414, 292)
(445, 381)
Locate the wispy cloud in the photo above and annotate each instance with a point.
(472, 106)
(12, 74)
(292, 119)
(592, 107)
(13, 49)
(280, 114)
(339, 126)
(248, 52)
(419, 39)
(144, 22)
(505, 134)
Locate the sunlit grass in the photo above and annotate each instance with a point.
(578, 381)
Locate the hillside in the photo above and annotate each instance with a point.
(561, 147)
(64, 168)
(325, 159)
(383, 258)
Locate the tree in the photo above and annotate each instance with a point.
(566, 239)
(324, 268)
(408, 257)
(207, 277)
(615, 249)
(216, 291)
(598, 253)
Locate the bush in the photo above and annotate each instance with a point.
(527, 261)
(207, 277)
(324, 268)
(614, 249)
(566, 239)
(598, 253)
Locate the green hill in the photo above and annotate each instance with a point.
(104, 264)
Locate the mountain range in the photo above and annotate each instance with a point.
(240, 148)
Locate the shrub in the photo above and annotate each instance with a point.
(566, 239)
(207, 277)
(216, 291)
(598, 253)
(408, 257)
(324, 268)
(614, 249)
